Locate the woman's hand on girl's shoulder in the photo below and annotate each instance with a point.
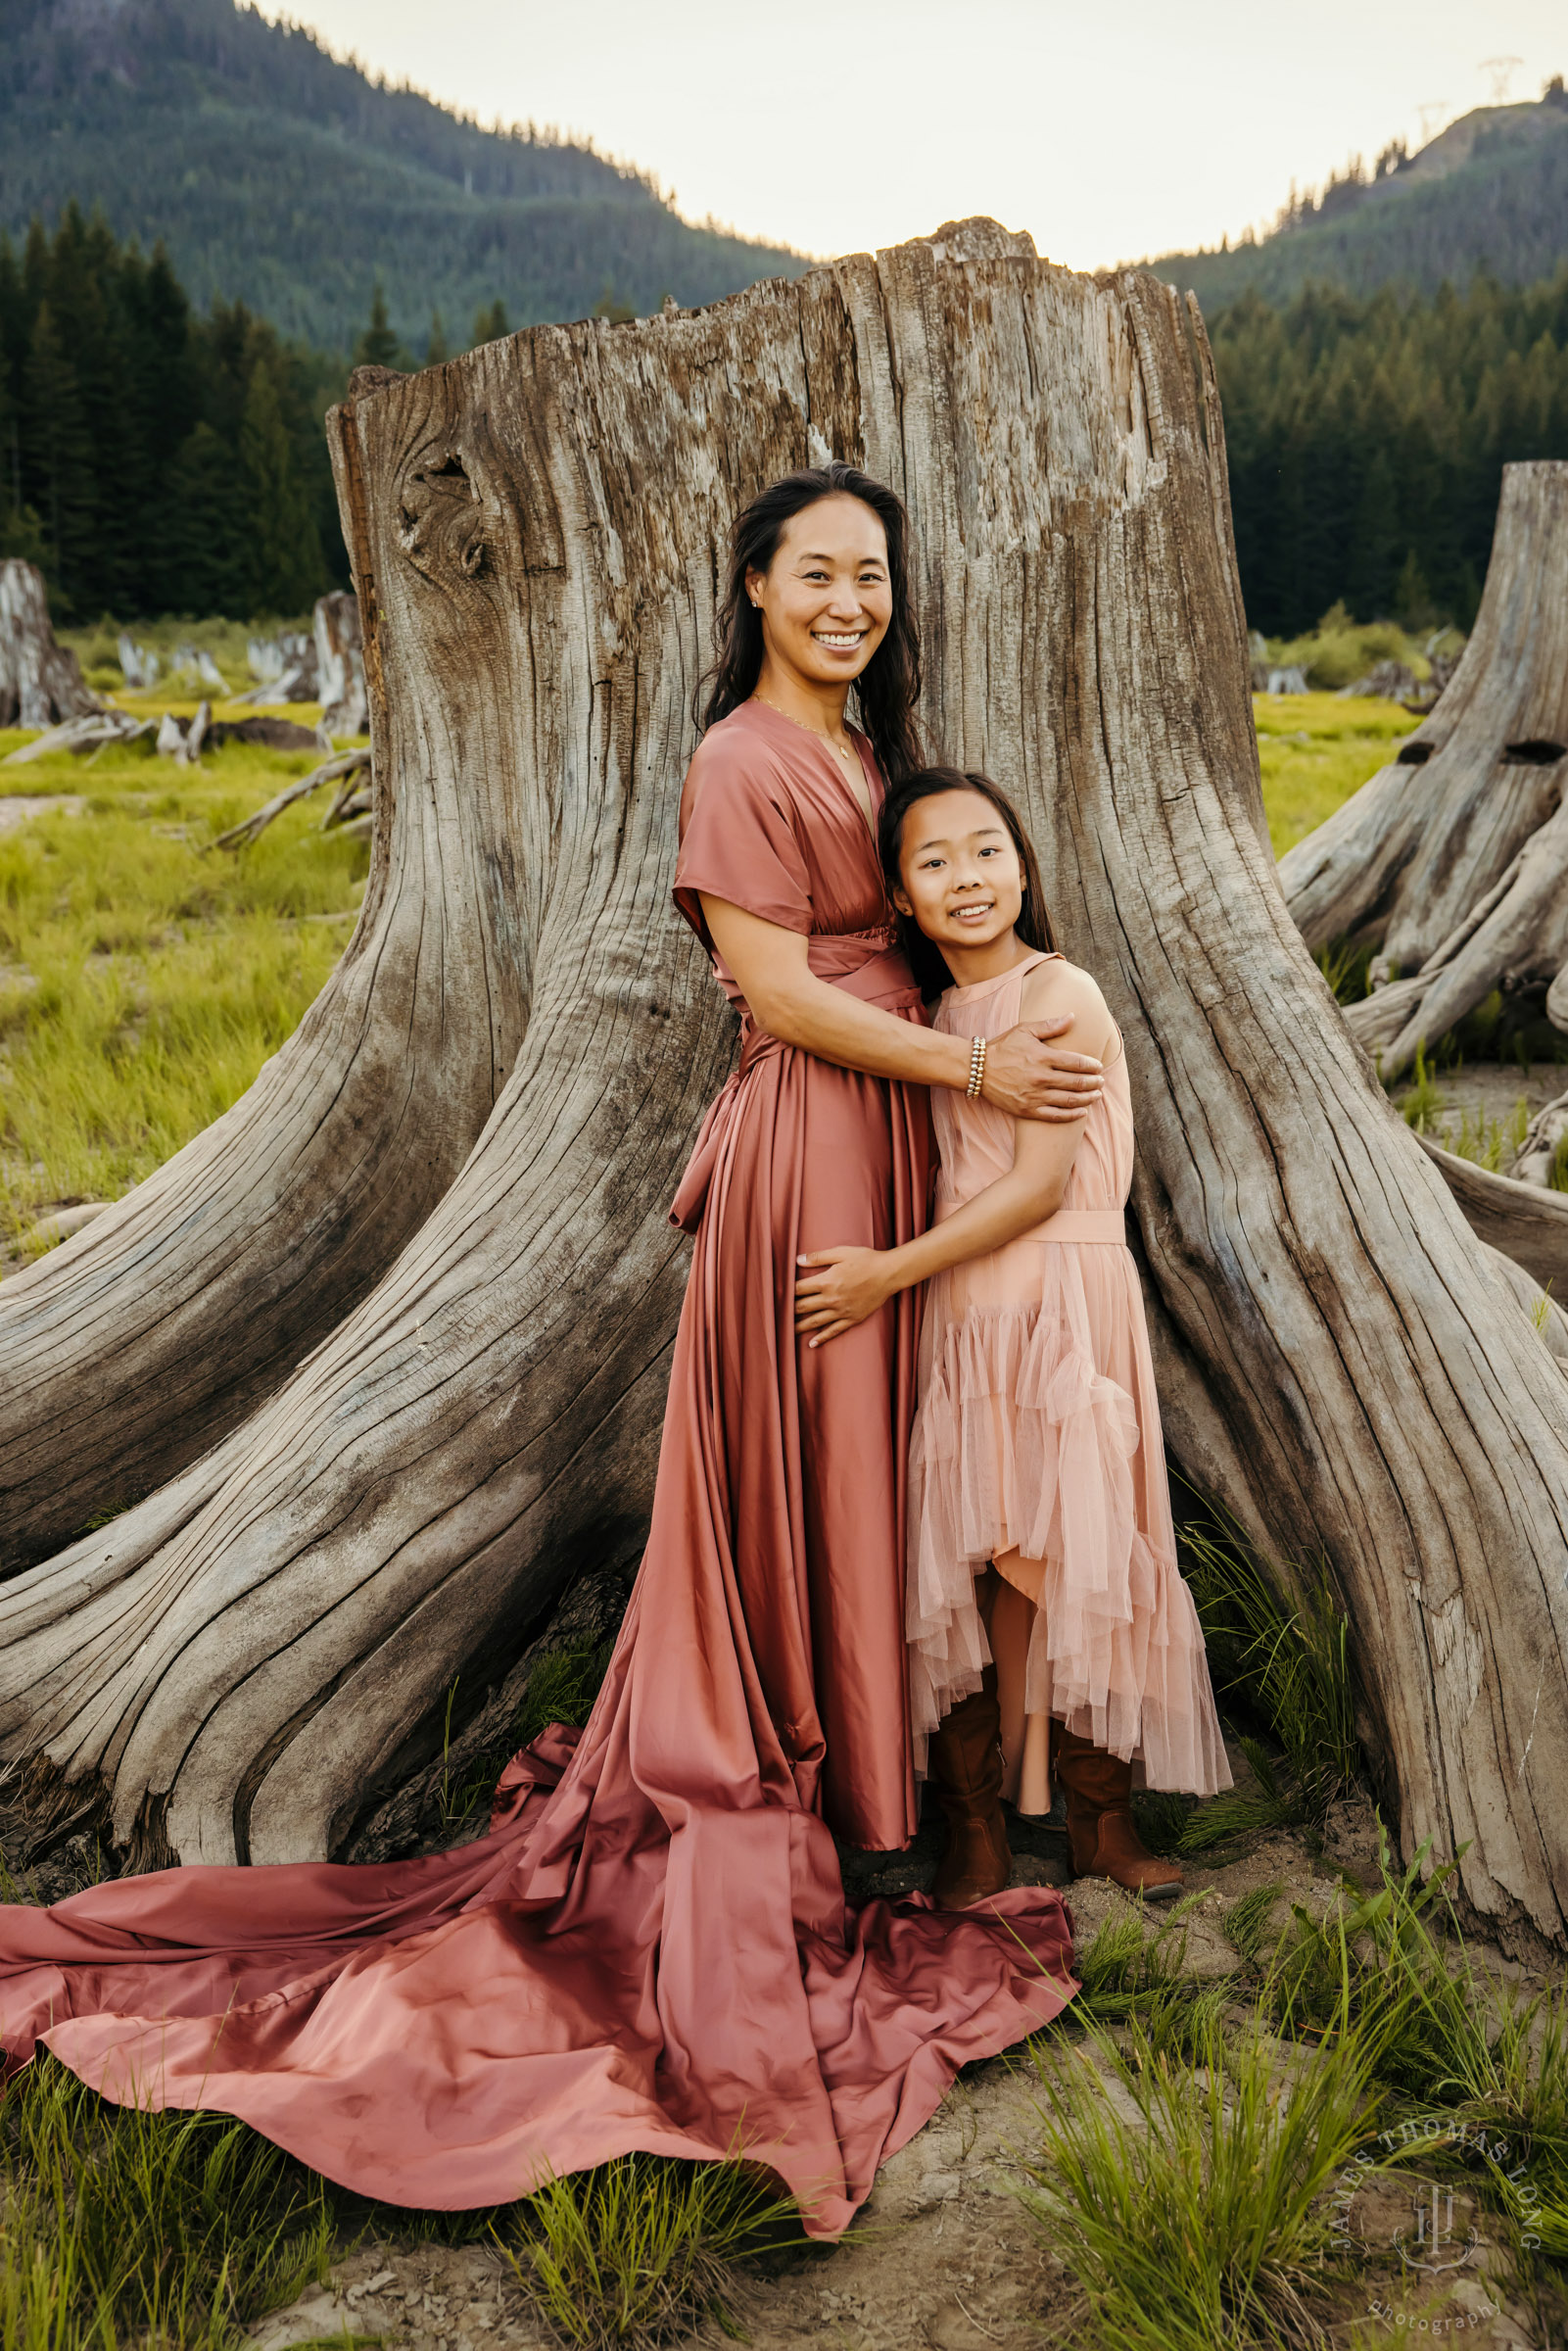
(1051, 1067)
(1064, 991)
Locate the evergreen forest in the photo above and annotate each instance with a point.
(155, 458)
(1488, 194)
(1367, 439)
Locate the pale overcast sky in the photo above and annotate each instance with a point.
(1111, 131)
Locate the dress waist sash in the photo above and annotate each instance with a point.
(867, 963)
(1101, 1227)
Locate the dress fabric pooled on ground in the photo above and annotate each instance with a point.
(1039, 1433)
(651, 1948)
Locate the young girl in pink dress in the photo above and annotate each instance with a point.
(1049, 1627)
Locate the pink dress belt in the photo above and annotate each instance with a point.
(1104, 1227)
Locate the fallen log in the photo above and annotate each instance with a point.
(251, 827)
(278, 734)
(94, 733)
(1517, 1220)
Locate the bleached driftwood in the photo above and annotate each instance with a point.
(90, 733)
(139, 665)
(287, 672)
(347, 763)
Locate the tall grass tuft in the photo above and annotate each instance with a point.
(1187, 2190)
(1133, 1964)
(1423, 1100)
(1346, 967)
(561, 1688)
(636, 2253)
(169, 2231)
(1187, 2142)
(1290, 1665)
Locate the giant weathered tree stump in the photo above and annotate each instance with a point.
(1454, 859)
(238, 1664)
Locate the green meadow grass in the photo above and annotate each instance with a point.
(1316, 750)
(145, 977)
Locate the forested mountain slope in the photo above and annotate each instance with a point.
(1366, 441)
(281, 179)
(1488, 196)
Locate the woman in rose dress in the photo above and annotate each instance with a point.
(651, 1948)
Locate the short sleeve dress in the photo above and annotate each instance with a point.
(798, 1155)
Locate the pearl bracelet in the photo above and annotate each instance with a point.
(977, 1067)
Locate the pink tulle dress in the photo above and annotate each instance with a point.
(1037, 1446)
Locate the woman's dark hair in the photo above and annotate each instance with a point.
(1033, 925)
(889, 687)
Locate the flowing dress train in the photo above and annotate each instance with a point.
(651, 1948)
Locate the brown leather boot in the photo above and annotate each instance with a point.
(1104, 1842)
(967, 1769)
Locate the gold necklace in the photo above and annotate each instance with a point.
(845, 751)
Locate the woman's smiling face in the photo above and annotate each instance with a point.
(826, 599)
(961, 876)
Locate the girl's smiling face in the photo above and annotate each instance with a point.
(959, 873)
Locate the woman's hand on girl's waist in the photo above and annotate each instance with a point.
(843, 1288)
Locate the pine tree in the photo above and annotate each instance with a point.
(490, 326)
(57, 470)
(285, 552)
(1412, 598)
(378, 346)
(435, 348)
(200, 552)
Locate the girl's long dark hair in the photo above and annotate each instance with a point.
(1033, 925)
(889, 687)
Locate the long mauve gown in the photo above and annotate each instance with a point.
(652, 1947)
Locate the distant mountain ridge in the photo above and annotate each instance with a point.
(279, 176)
(1489, 196)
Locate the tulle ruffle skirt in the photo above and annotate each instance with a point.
(1038, 1432)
